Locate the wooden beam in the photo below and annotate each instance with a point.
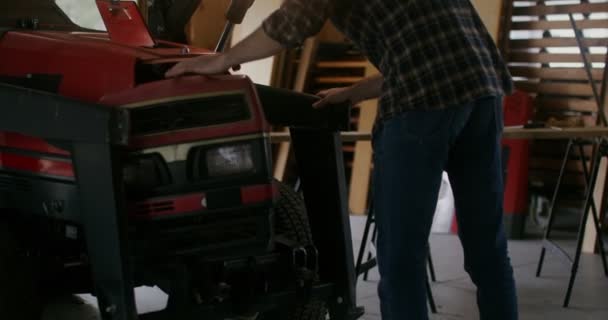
(207, 23)
(362, 162)
(338, 80)
(309, 53)
(342, 64)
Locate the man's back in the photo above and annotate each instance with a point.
(433, 53)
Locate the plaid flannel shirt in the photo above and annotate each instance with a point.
(433, 54)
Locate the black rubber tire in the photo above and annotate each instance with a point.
(291, 221)
(19, 294)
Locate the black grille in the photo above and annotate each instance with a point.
(186, 114)
(10, 183)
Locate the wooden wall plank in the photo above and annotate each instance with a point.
(583, 105)
(571, 89)
(556, 164)
(550, 177)
(539, 10)
(552, 57)
(548, 25)
(556, 73)
(556, 42)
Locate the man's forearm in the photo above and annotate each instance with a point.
(256, 46)
(368, 88)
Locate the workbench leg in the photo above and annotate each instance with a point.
(368, 224)
(430, 297)
(369, 254)
(553, 204)
(431, 264)
(581, 232)
(596, 223)
(99, 179)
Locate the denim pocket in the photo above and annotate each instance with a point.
(424, 125)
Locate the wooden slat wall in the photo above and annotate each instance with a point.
(561, 90)
(538, 67)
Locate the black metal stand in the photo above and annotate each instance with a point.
(321, 167)
(371, 262)
(601, 147)
(600, 150)
(105, 222)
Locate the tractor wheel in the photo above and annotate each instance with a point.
(291, 221)
(19, 295)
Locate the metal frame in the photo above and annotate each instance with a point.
(600, 150)
(95, 134)
(601, 147)
(321, 167)
(92, 133)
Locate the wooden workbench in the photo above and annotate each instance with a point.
(509, 133)
(519, 133)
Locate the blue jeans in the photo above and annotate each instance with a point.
(411, 151)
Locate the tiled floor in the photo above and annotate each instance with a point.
(539, 298)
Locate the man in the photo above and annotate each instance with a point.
(441, 87)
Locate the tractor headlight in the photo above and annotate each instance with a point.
(230, 160)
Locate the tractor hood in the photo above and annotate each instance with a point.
(33, 14)
(167, 17)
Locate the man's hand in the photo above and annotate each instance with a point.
(333, 96)
(208, 64)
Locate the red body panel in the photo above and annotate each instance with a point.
(186, 86)
(95, 69)
(47, 167)
(91, 65)
(89, 70)
(125, 23)
(259, 193)
(19, 141)
(179, 205)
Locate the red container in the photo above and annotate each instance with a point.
(518, 109)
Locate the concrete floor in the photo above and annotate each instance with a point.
(539, 298)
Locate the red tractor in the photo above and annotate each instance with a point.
(112, 176)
